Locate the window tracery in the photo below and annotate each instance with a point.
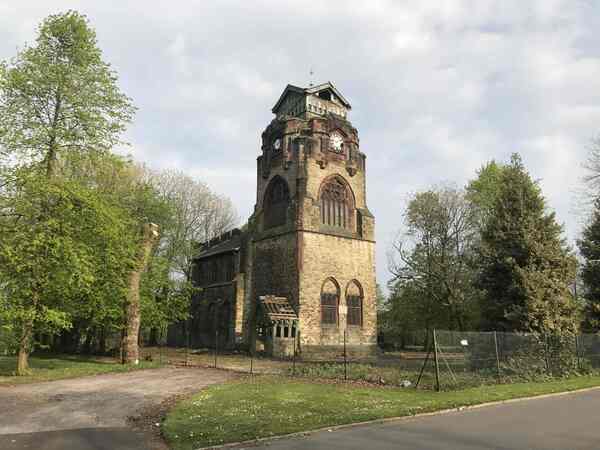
(276, 203)
(336, 204)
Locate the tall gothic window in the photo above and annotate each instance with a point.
(354, 302)
(330, 295)
(277, 200)
(336, 204)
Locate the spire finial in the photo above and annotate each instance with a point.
(311, 73)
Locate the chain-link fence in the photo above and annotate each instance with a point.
(437, 359)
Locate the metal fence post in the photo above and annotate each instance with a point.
(577, 352)
(546, 350)
(497, 356)
(187, 344)
(294, 358)
(345, 359)
(435, 359)
(216, 346)
(423, 366)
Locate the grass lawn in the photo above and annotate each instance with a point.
(267, 406)
(46, 368)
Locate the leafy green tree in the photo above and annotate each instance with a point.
(165, 299)
(483, 191)
(50, 254)
(526, 265)
(589, 246)
(436, 255)
(59, 96)
(119, 183)
(129, 187)
(410, 311)
(58, 101)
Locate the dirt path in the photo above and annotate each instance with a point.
(103, 401)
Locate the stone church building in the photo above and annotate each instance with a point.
(301, 273)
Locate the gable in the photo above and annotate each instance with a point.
(328, 89)
(293, 97)
(291, 94)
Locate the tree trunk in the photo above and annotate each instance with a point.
(88, 342)
(153, 341)
(102, 342)
(24, 349)
(25, 343)
(132, 306)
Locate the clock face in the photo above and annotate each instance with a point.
(277, 144)
(336, 142)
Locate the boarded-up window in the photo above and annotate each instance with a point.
(329, 303)
(277, 200)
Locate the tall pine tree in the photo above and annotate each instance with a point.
(527, 267)
(589, 246)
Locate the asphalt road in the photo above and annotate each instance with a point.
(569, 422)
(91, 413)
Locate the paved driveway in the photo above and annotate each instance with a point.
(91, 412)
(570, 422)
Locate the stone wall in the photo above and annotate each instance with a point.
(344, 260)
(274, 271)
(206, 319)
(274, 267)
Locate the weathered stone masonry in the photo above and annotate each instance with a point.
(309, 240)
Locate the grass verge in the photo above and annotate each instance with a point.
(267, 406)
(47, 368)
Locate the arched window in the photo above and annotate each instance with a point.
(354, 302)
(337, 204)
(276, 202)
(330, 295)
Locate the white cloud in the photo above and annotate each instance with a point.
(438, 88)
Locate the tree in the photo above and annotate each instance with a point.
(164, 298)
(197, 215)
(526, 265)
(433, 261)
(483, 191)
(59, 96)
(58, 101)
(409, 311)
(589, 246)
(51, 250)
(149, 237)
(592, 166)
(148, 213)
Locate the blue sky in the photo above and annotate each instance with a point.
(437, 88)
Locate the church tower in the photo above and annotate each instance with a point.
(312, 238)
